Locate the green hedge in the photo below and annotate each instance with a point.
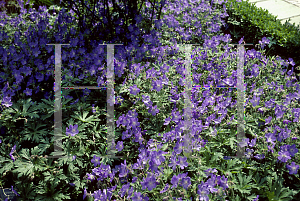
(257, 23)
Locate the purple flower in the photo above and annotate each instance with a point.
(134, 179)
(13, 149)
(119, 146)
(84, 193)
(211, 182)
(259, 156)
(39, 76)
(174, 181)
(15, 192)
(263, 42)
(153, 110)
(92, 70)
(93, 108)
(134, 122)
(284, 156)
(123, 171)
(292, 150)
(178, 147)
(256, 199)
(124, 189)
(72, 130)
(176, 116)
(244, 142)
(242, 39)
(153, 166)
(203, 191)
(222, 181)
(134, 90)
(138, 197)
(12, 157)
(150, 183)
(270, 137)
(96, 160)
(252, 143)
(167, 121)
(186, 182)
(157, 85)
(157, 157)
(293, 168)
(7, 101)
(255, 101)
(165, 188)
(182, 162)
(248, 152)
(268, 120)
(173, 163)
(210, 171)
(74, 157)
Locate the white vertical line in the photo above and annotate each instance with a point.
(187, 101)
(57, 104)
(240, 100)
(110, 107)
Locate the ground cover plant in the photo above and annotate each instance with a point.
(149, 103)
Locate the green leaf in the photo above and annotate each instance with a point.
(7, 167)
(83, 118)
(24, 168)
(25, 153)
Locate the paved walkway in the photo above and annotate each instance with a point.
(294, 2)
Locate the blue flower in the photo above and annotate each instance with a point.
(174, 181)
(284, 156)
(222, 182)
(84, 193)
(7, 101)
(13, 149)
(134, 90)
(150, 183)
(210, 171)
(123, 171)
(153, 110)
(72, 130)
(293, 150)
(165, 188)
(293, 168)
(124, 189)
(182, 162)
(211, 182)
(119, 146)
(15, 192)
(96, 160)
(203, 191)
(157, 85)
(252, 143)
(270, 137)
(138, 197)
(91, 177)
(244, 142)
(186, 182)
